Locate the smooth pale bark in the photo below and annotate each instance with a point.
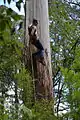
(38, 9)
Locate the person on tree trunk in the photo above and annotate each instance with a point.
(34, 39)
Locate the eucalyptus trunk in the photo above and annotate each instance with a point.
(42, 75)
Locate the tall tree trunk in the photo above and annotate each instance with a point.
(43, 74)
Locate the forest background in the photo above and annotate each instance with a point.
(16, 89)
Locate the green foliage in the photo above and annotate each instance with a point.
(65, 45)
(10, 62)
(72, 81)
(25, 83)
(27, 113)
(42, 110)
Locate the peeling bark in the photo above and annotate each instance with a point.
(43, 85)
